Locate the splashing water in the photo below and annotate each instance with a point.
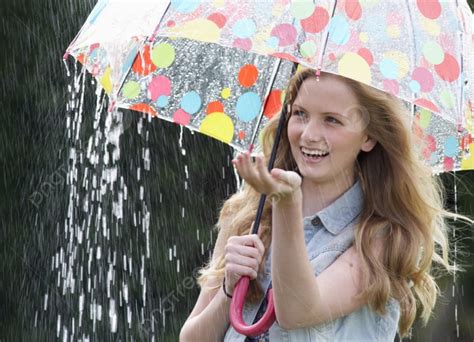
(99, 246)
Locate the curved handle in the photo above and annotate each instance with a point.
(236, 311)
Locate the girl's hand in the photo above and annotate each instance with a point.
(242, 256)
(277, 183)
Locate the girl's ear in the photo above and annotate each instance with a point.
(368, 144)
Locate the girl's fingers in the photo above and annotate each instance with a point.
(265, 176)
(288, 177)
(248, 251)
(242, 260)
(258, 244)
(242, 271)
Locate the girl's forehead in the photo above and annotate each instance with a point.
(327, 94)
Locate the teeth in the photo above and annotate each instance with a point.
(314, 152)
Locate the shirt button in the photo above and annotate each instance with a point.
(316, 221)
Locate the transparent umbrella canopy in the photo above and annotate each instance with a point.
(419, 51)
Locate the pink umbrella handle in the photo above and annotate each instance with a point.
(236, 311)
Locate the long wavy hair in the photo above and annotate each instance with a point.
(401, 199)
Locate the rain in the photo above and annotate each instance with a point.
(107, 214)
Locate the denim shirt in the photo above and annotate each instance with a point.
(328, 234)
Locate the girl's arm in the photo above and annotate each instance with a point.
(209, 319)
(301, 298)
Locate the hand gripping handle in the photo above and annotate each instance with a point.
(236, 311)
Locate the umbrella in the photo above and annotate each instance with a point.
(220, 67)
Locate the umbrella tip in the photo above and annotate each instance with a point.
(318, 73)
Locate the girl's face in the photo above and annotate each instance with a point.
(326, 130)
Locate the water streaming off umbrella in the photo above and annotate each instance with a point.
(102, 264)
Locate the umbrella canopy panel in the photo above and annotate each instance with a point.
(209, 88)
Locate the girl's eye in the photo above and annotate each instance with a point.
(299, 113)
(332, 119)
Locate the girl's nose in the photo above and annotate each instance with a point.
(313, 131)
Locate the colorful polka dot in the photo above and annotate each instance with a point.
(215, 106)
(106, 81)
(131, 90)
(451, 147)
(393, 31)
(284, 55)
(248, 75)
(433, 52)
(242, 43)
(225, 93)
(208, 30)
(218, 126)
(163, 55)
(218, 18)
(162, 101)
(447, 99)
(430, 143)
(181, 117)
(430, 26)
(353, 66)
(191, 102)
(424, 78)
(364, 37)
(353, 9)
(367, 55)
(389, 69)
(431, 9)
(184, 6)
(159, 85)
(302, 9)
(273, 104)
(468, 161)
(272, 42)
(144, 108)
(401, 60)
(286, 34)
(308, 49)
(449, 69)
(414, 86)
(244, 28)
(316, 22)
(143, 65)
(391, 86)
(425, 118)
(448, 164)
(248, 106)
(426, 104)
(339, 30)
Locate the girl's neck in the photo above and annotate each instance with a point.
(317, 196)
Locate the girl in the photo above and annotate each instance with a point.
(352, 223)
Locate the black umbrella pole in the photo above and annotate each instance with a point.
(270, 167)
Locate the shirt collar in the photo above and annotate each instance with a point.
(340, 213)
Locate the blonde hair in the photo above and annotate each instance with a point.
(401, 199)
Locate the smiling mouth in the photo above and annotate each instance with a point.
(314, 156)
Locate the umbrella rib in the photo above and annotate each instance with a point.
(155, 31)
(276, 67)
(412, 32)
(324, 42)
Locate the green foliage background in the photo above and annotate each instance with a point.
(34, 35)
